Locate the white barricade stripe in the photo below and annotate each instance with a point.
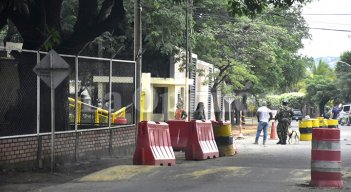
(326, 166)
(326, 145)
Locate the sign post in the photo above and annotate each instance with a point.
(229, 98)
(52, 69)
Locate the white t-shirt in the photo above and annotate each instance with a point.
(264, 113)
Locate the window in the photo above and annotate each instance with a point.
(346, 108)
(159, 94)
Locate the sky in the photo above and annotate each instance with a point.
(328, 14)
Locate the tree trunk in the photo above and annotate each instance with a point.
(321, 107)
(24, 116)
(217, 110)
(238, 108)
(40, 21)
(232, 114)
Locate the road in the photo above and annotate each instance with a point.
(270, 168)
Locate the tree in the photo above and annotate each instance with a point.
(324, 69)
(320, 86)
(285, 67)
(69, 25)
(251, 55)
(320, 90)
(254, 7)
(296, 100)
(343, 74)
(40, 26)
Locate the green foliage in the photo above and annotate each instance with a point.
(285, 67)
(319, 85)
(163, 24)
(323, 69)
(266, 47)
(273, 101)
(69, 15)
(296, 100)
(320, 90)
(3, 32)
(54, 38)
(343, 73)
(253, 7)
(107, 45)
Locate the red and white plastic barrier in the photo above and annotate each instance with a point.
(153, 145)
(326, 158)
(201, 144)
(179, 132)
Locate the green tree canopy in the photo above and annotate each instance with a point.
(323, 69)
(69, 25)
(343, 74)
(320, 90)
(296, 100)
(252, 55)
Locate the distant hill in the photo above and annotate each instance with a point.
(330, 60)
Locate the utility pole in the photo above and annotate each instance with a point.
(187, 75)
(188, 54)
(137, 58)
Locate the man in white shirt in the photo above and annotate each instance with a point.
(264, 115)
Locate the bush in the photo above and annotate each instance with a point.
(296, 100)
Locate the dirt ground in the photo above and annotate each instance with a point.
(247, 129)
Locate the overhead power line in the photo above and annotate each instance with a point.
(336, 14)
(202, 15)
(326, 29)
(330, 23)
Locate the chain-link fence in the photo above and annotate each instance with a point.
(98, 93)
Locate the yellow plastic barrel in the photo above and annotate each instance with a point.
(332, 123)
(323, 122)
(222, 131)
(315, 123)
(305, 128)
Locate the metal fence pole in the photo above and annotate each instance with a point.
(76, 110)
(138, 59)
(109, 109)
(39, 139)
(52, 94)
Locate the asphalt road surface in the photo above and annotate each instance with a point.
(270, 168)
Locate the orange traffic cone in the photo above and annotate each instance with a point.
(273, 131)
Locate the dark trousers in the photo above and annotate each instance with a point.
(282, 131)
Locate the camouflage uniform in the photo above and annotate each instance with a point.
(283, 116)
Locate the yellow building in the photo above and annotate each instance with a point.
(161, 95)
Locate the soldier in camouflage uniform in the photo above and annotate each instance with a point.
(283, 116)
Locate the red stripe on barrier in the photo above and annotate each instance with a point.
(322, 155)
(326, 179)
(179, 133)
(326, 134)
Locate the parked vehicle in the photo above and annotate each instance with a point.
(297, 114)
(345, 115)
